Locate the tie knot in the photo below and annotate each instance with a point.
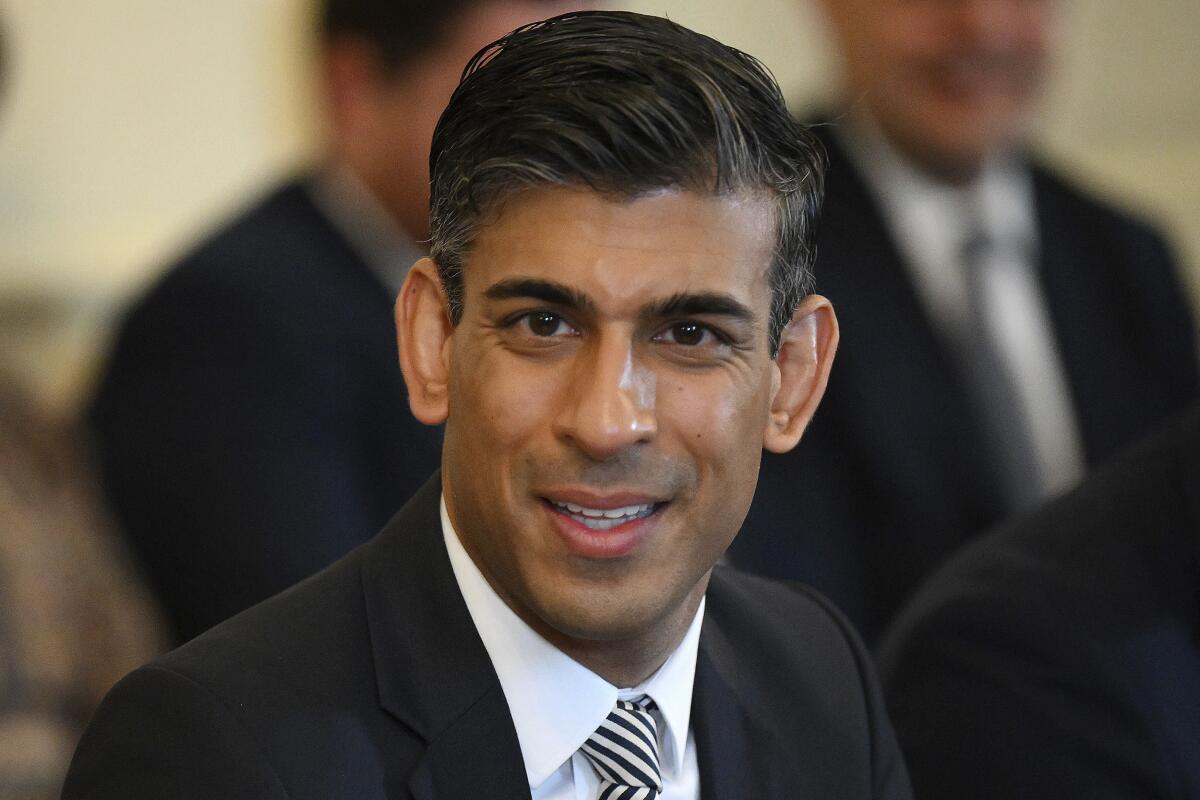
(624, 752)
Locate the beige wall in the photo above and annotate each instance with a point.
(130, 126)
(127, 123)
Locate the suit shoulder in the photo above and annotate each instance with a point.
(742, 591)
(277, 283)
(278, 701)
(1058, 193)
(279, 252)
(273, 233)
(800, 629)
(155, 720)
(1059, 639)
(1072, 565)
(297, 639)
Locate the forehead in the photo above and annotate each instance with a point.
(630, 251)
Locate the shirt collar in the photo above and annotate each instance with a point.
(999, 203)
(365, 223)
(556, 703)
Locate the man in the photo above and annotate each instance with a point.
(247, 425)
(1004, 330)
(1061, 656)
(613, 324)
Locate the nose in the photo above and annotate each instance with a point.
(995, 22)
(610, 403)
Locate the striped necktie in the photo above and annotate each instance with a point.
(624, 752)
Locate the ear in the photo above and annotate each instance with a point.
(424, 335)
(805, 355)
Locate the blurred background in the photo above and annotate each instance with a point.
(130, 127)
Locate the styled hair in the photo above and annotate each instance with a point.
(623, 104)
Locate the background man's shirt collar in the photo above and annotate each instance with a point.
(365, 224)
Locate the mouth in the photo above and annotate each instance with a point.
(985, 75)
(612, 527)
(602, 519)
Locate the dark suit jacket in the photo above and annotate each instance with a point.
(252, 425)
(892, 475)
(1061, 656)
(369, 680)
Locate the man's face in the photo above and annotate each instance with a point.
(950, 81)
(609, 387)
(399, 111)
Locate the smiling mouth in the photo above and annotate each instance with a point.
(600, 519)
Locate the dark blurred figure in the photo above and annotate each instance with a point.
(1001, 329)
(73, 618)
(252, 425)
(1061, 656)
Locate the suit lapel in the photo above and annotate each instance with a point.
(738, 756)
(476, 756)
(432, 671)
(1069, 289)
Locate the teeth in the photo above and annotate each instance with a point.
(603, 519)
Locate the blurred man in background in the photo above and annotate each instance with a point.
(251, 425)
(1003, 330)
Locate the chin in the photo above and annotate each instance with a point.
(609, 618)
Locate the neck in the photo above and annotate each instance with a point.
(402, 195)
(628, 662)
(957, 170)
(959, 174)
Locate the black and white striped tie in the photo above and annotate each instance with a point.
(624, 752)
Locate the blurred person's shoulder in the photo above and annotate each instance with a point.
(278, 279)
(282, 244)
(1068, 201)
(1120, 550)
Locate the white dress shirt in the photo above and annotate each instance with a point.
(366, 225)
(930, 223)
(557, 703)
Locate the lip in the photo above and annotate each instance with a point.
(615, 542)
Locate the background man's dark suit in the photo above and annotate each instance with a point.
(891, 475)
(1061, 656)
(369, 681)
(252, 425)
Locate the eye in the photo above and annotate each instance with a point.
(689, 334)
(546, 324)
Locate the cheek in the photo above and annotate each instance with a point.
(721, 425)
(1035, 38)
(505, 401)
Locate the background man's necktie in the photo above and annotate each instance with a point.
(624, 752)
(992, 384)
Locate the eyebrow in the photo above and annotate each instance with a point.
(681, 303)
(689, 303)
(540, 289)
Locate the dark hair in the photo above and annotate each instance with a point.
(624, 104)
(401, 31)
